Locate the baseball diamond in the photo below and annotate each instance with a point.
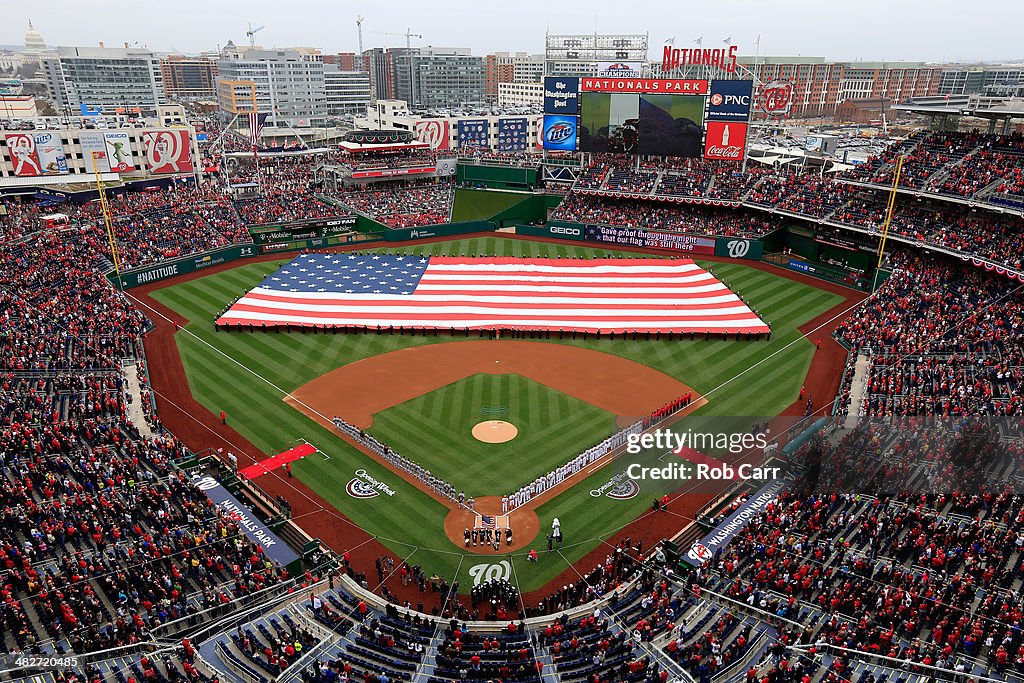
(407, 365)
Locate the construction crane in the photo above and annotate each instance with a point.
(359, 27)
(409, 35)
(252, 33)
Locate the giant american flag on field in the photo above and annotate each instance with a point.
(607, 295)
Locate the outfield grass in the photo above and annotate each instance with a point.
(271, 362)
(472, 205)
(437, 428)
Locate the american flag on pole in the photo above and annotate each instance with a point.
(256, 121)
(607, 295)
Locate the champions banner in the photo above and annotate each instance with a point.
(649, 239)
(258, 532)
(168, 151)
(719, 537)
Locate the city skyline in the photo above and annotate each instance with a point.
(877, 31)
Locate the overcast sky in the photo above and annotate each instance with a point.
(941, 30)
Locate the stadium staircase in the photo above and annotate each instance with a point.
(858, 389)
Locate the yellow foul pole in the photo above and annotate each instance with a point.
(106, 221)
(889, 210)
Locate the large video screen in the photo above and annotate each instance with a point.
(650, 117)
(648, 124)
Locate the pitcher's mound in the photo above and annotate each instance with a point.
(495, 431)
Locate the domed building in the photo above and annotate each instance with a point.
(34, 43)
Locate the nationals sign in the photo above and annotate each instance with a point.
(777, 98)
(168, 151)
(725, 140)
(434, 132)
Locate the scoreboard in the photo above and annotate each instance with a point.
(648, 116)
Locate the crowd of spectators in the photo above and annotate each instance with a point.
(404, 205)
(654, 215)
(103, 539)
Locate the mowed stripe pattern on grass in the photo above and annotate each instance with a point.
(413, 519)
(437, 428)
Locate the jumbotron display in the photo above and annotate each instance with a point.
(648, 116)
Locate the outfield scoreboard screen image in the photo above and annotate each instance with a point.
(650, 117)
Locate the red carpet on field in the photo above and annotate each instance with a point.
(265, 466)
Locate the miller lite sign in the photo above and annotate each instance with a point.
(725, 141)
(777, 98)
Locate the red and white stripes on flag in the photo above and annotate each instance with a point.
(606, 295)
(256, 121)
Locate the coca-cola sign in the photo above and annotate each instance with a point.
(725, 140)
(777, 98)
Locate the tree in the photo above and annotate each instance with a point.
(45, 108)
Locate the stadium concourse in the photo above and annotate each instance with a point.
(896, 555)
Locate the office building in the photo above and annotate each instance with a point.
(438, 77)
(189, 78)
(346, 91)
(286, 84)
(108, 79)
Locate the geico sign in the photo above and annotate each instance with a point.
(558, 230)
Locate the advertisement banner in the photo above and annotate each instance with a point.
(119, 151)
(512, 135)
(21, 147)
(562, 232)
(50, 150)
(539, 127)
(560, 132)
(719, 537)
(649, 239)
(167, 151)
(668, 86)
(94, 147)
(561, 95)
(730, 100)
(473, 133)
(725, 141)
(388, 172)
(737, 247)
(258, 532)
(434, 132)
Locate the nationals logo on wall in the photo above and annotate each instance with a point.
(434, 132)
(24, 157)
(168, 151)
(777, 98)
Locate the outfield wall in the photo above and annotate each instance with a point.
(190, 264)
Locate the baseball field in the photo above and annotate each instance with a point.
(249, 375)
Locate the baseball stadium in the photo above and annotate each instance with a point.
(619, 390)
